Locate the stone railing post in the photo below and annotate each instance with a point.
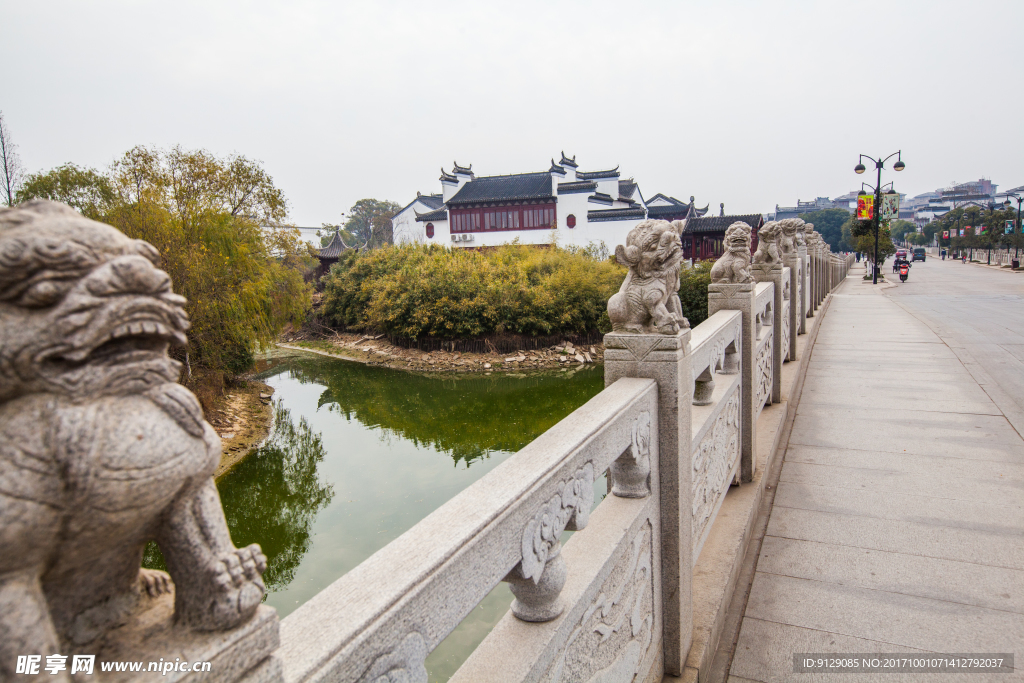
(652, 340)
(792, 261)
(740, 297)
(801, 249)
(772, 272)
(814, 261)
(666, 360)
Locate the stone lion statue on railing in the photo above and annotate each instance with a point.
(733, 267)
(101, 450)
(768, 244)
(648, 300)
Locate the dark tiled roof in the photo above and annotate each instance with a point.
(664, 212)
(438, 215)
(720, 223)
(504, 188)
(433, 201)
(627, 188)
(333, 248)
(616, 214)
(555, 168)
(566, 161)
(600, 198)
(583, 186)
(448, 177)
(671, 200)
(464, 170)
(594, 175)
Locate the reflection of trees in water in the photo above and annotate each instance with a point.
(465, 416)
(272, 496)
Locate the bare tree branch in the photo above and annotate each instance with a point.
(11, 171)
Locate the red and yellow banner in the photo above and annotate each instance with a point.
(945, 234)
(865, 207)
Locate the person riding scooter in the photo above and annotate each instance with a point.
(904, 271)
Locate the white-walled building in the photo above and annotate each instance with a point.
(405, 228)
(563, 204)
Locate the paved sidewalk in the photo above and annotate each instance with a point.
(898, 523)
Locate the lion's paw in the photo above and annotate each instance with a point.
(238, 585)
(155, 582)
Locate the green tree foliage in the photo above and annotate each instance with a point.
(693, 291)
(899, 229)
(369, 222)
(419, 291)
(866, 243)
(204, 214)
(85, 189)
(829, 224)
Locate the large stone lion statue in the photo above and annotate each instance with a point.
(733, 267)
(101, 451)
(648, 300)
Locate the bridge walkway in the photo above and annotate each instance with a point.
(898, 522)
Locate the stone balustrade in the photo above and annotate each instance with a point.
(673, 431)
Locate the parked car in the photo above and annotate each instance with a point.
(919, 254)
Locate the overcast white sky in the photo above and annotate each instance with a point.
(747, 103)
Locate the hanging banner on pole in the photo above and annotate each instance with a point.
(890, 206)
(984, 229)
(961, 232)
(945, 234)
(1008, 230)
(865, 207)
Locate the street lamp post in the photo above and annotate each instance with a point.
(879, 164)
(1007, 204)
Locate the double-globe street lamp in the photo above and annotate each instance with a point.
(879, 164)
(1007, 204)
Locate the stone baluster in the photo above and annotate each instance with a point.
(732, 289)
(767, 267)
(653, 341)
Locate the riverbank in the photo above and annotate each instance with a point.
(242, 419)
(376, 350)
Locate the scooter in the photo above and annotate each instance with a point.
(904, 272)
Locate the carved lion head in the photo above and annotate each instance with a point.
(737, 237)
(651, 247)
(84, 310)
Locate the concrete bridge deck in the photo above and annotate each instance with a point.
(898, 521)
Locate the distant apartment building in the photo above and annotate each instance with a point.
(847, 202)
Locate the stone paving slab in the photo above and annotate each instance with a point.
(914, 538)
(885, 616)
(944, 477)
(963, 582)
(1000, 518)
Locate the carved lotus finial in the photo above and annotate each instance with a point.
(733, 267)
(648, 300)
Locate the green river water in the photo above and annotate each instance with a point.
(360, 454)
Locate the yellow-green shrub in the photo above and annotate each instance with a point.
(416, 291)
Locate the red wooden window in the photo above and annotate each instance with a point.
(430, 230)
(529, 217)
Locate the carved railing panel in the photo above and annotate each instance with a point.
(716, 461)
(384, 617)
(765, 333)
